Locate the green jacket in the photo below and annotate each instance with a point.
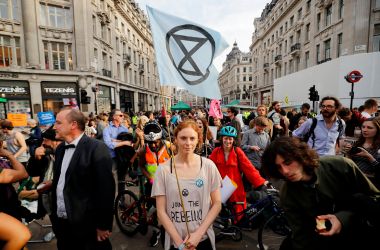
(337, 180)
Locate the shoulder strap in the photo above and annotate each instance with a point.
(340, 125)
(340, 129)
(314, 124)
(270, 117)
(311, 132)
(171, 165)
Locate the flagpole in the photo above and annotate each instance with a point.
(207, 129)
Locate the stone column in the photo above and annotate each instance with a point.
(29, 20)
(81, 15)
(136, 100)
(35, 95)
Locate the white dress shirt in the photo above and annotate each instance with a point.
(69, 152)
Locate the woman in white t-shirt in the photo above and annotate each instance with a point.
(199, 182)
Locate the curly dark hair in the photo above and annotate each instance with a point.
(337, 103)
(291, 149)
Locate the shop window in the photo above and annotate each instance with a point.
(56, 95)
(126, 100)
(57, 17)
(18, 94)
(104, 99)
(7, 57)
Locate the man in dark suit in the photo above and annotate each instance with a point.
(83, 187)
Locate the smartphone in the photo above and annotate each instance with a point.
(354, 150)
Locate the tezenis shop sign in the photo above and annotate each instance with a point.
(59, 89)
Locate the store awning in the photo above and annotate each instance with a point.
(181, 106)
(233, 103)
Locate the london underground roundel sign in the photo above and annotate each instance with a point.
(354, 76)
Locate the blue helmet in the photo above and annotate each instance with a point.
(228, 131)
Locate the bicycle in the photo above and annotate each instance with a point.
(134, 214)
(271, 232)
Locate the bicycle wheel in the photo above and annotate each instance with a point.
(272, 232)
(219, 225)
(128, 212)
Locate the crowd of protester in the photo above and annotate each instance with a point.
(248, 148)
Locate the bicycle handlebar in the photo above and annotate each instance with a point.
(129, 183)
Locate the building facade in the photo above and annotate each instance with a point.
(94, 54)
(189, 98)
(293, 35)
(235, 80)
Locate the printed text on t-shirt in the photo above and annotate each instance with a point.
(194, 214)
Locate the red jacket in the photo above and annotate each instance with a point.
(236, 164)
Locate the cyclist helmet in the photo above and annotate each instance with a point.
(228, 131)
(152, 131)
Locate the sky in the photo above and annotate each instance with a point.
(232, 18)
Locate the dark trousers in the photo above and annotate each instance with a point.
(69, 238)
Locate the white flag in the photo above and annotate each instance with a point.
(185, 52)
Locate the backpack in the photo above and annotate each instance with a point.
(271, 116)
(275, 131)
(124, 154)
(312, 134)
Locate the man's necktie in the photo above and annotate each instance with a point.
(69, 146)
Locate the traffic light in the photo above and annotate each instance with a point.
(312, 93)
(84, 98)
(316, 96)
